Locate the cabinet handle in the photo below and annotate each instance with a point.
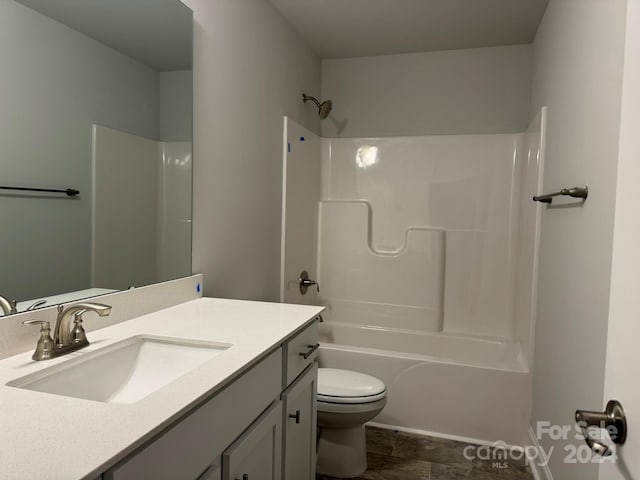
(308, 353)
(296, 416)
(244, 477)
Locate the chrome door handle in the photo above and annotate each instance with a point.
(612, 419)
(308, 353)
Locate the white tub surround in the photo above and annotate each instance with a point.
(426, 234)
(58, 437)
(427, 263)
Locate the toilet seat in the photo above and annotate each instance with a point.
(347, 387)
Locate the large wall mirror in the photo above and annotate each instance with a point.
(95, 96)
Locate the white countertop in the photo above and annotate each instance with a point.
(45, 436)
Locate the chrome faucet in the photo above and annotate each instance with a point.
(8, 306)
(66, 338)
(62, 333)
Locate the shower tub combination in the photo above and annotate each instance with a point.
(464, 388)
(426, 251)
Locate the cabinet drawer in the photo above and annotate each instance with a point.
(185, 450)
(299, 352)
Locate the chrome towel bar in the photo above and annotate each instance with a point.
(575, 192)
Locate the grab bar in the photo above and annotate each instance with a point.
(575, 192)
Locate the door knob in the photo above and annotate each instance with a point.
(612, 419)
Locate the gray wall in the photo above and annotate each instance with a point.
(482, 90)
(250, 70)
(55, 83)
(578, 56)
(176, 106)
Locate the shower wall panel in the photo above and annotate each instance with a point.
(530, 165)
(300, 197)
(361, 285)
(174, 214)
(463, 186)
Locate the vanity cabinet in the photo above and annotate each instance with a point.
(262, 426)
(188, 448)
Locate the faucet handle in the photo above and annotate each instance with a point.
(78, 335)
(44, 348)
(305, 282)
(38, 322)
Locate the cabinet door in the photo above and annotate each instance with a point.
(300, 426)
(257, 454)
(214, 472)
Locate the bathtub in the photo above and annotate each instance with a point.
(455, 386)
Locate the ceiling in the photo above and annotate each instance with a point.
(157, 33)
(357, 28)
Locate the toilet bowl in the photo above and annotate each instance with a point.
(346, 401)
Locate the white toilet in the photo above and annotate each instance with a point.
(346, 401)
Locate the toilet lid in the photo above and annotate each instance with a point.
(345, 386)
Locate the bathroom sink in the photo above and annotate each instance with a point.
(124, 372)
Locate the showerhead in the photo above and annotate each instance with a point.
(323, 108)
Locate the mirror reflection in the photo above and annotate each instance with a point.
(97, 97)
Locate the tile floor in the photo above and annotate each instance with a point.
(404, 456)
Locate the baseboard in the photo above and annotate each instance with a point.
(475, 441)
(540, 469)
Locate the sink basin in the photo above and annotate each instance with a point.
(124, 372)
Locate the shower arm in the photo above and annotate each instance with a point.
(306, 97)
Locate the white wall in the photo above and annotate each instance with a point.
(482, 90)
(578, 54)
(125, 209)
(176, 106)
(250, 70)
(55, 83)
